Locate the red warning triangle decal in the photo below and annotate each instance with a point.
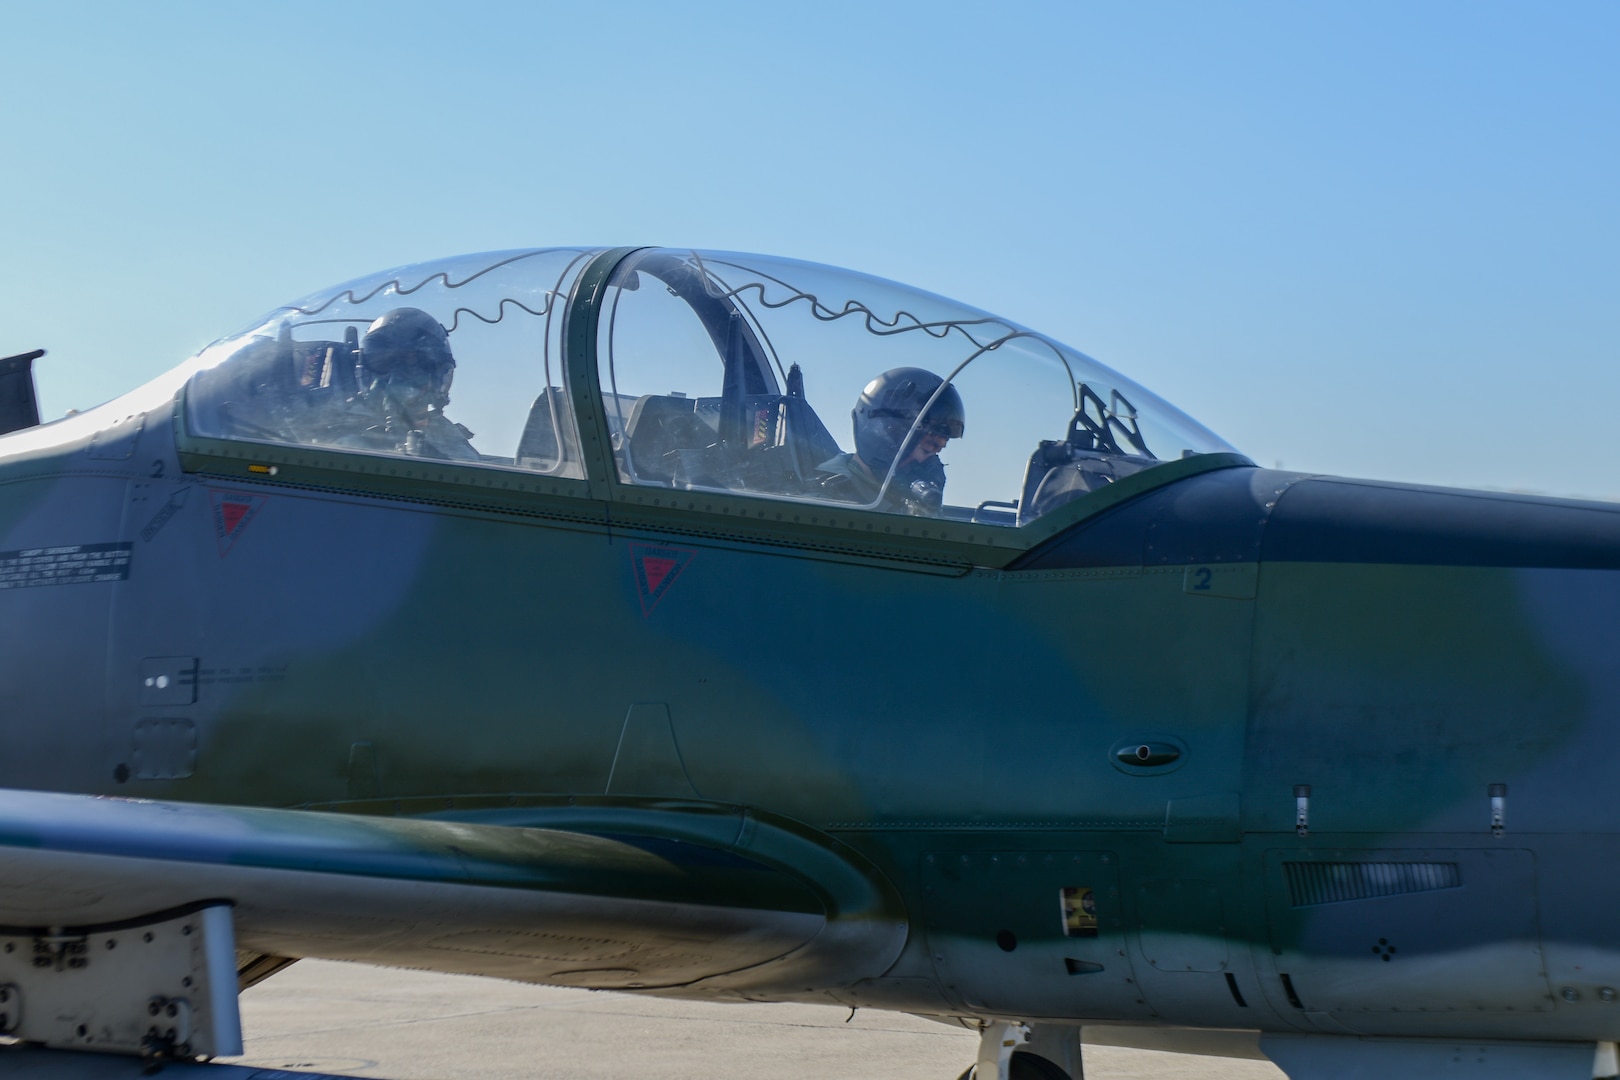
(656, 569)
(233, 511)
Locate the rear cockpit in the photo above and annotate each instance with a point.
(328, 371)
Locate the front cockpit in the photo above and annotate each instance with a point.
(696, 372)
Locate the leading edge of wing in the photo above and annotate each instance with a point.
(593, 899)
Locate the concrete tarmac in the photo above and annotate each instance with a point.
(348, 1020)
(405, 1025)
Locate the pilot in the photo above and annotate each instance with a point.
(887, 429)
(404, 375)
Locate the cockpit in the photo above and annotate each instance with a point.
(696, 372)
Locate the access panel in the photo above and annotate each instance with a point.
(1359, 933)
(1031, 933)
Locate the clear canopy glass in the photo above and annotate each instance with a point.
(722, 372)
(791, 380)
(485, 389)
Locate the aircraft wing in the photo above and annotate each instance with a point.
(663, 895)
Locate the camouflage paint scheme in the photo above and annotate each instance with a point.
(842, 756)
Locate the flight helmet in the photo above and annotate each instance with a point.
(407, 352)
(887, 410)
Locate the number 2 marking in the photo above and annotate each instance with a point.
(1203, 574)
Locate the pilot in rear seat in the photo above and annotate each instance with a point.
(404, 375)
(887, 429)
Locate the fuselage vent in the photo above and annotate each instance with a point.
(1312, 883)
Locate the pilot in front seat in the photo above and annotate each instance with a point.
(886, 429)
(404, 375)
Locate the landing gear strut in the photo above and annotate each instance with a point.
(1009, 1052)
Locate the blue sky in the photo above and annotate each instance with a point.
(1374, 239)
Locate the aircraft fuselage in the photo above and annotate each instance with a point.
(1084, 775)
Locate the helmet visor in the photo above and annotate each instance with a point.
(948, 427)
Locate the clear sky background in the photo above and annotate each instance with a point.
(1373, 239)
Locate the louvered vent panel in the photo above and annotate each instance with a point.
(1311, 883)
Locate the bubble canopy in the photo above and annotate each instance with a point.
(716, 371)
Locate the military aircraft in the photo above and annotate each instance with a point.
(545, 615)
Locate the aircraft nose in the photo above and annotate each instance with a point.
(1364, 521)
(1245, 514)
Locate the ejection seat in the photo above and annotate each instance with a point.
(541, 448)
(280, 390)
(665, 441)
(766, 443)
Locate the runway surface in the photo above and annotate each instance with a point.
(360, 1021)
(352, 1021)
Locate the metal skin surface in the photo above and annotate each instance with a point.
(832, 763)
